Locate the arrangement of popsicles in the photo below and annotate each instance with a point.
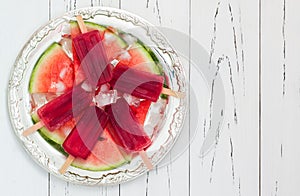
(92, 120)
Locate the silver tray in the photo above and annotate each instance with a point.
(19, 102)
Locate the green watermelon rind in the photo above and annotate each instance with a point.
(55, 145)
(126, 158)
(96, 169)
(88, 24)
(54, 47)
(155, 67)
(152, 65)
(102, 168)
(159, 70)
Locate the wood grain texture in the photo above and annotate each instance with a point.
(280, 97)
(228, 30)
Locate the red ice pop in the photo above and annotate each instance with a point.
(138, 83)
(84, 135)
(125, 128)
(93, 58)
(60, 110)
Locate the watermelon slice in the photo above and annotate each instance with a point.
(141, 59)
(105, 156)
(55, 67)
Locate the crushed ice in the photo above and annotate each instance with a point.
(63, 72)
(154, 116)
(87, 87)
(109, 38)
(124, 55)
(66, 44)
(104, 98)
(39, 99)
(104, 87)
(129, 39)
(131, 100)
(60, 86)
(65, 29)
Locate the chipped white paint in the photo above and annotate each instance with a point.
(229, 31)
(280, 97)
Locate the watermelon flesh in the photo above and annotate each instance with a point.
(56, 72)
(137, 57)
(105, 156)
(59, 77)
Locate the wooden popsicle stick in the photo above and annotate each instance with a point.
(170, 92)
(81, 24)
(33, 128)
(146, 160)
(67, 164)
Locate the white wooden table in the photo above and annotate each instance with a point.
(257, 151)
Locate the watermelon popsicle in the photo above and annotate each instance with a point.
(84, 135)
(140, 84)
(126, 130)
(61, 109)
(92, 55)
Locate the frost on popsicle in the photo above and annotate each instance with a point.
(154, 117)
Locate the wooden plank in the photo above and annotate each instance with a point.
(280, 97)
(232, 167)
(20, 174)
(173, 178)
(228, 30)
(107, 3)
